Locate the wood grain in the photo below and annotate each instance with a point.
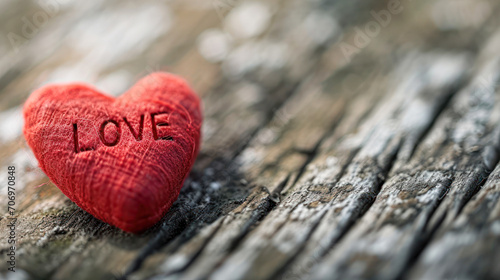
(316, 163)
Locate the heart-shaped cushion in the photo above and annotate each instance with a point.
(123, 160)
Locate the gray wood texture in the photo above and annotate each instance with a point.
(326, 154)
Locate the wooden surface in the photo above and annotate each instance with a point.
(316, 163)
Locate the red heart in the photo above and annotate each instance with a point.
(123, 159)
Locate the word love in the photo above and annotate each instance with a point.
(135, 170)
(113, 128)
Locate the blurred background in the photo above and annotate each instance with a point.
(240, 56)
(236, 54)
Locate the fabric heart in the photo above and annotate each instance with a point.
(123, 160)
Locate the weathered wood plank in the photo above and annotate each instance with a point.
(329, 204)
(426, 193)
(72, 234)
(315, 163)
